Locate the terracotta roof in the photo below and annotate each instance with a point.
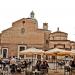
(58, 32)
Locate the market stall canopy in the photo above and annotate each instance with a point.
(31, 51)
(56, 51)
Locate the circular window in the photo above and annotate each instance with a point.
(22, 30)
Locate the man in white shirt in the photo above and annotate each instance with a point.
(13, 64)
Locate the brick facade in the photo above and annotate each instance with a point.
(25, 33)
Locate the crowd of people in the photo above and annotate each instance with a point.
(70, 63)
(42, 65)
(19, 65)
(16, 65)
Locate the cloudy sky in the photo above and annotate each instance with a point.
(58, 13)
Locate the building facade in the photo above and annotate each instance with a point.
(25, 33)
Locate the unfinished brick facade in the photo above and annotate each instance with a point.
(24, 33)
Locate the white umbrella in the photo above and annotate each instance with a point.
(54, 52)
(31, 51)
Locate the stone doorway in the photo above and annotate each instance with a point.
(5, 52)
(21, 48)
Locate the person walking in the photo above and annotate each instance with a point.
(13, 64)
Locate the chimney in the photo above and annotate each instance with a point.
(45, 26)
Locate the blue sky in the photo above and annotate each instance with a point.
(58, 13)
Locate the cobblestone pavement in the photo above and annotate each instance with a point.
(50, 72)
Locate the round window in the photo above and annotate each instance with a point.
(22, 30)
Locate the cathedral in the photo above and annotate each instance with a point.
(25, 33)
